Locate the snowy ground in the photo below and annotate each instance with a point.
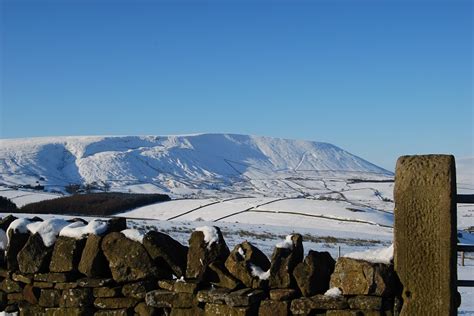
(254, 188)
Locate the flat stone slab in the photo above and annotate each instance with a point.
(245, 297)
(307, 305)
(80, 297)
(215, 296)
(282, 294)
(219, 309)
(115, 302)
(164, 298)
(49, 298)
(274, 308)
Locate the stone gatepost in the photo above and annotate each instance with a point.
(425, 234)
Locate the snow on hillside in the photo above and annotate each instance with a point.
(178, 165)
(465, 175)
(465, 185)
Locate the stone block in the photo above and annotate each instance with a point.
(195, 311)
(142, 309)
(31, 294)
(34, 257)
(201, 254)
(215, 296)
(274, 308)
(188, 286)
(284, 260)
(166, 252)
(23, 278)
(107, 291)
(114, 312)
(93, 262)
(43, 285)
(53, 277)
(317, 304)
(115, 302)
(66, 285)
(425, 231)
(218, 275)
(49, 298)
(66, 254)
(96, 282)
(283, 294)
(358, 277)
(128, 259)
(245, 297)
(241, 261)
(70, 311)
(219, 309)
(313, 274)
(10, 286)
(80, 297)
(137, 290)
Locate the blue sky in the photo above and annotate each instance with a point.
(377, 78)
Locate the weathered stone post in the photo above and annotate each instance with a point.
(425, 234)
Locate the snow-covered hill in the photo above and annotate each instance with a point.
(179, 165)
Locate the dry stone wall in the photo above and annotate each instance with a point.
(111, 274)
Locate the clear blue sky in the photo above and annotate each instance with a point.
(377, 78)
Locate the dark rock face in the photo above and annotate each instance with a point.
(31, 294)
(137, 290)
(220, 309)
(53, 277)
(310, 305)
(242, 259)
(10, 286)
(116, 224)
(201, 254)
(66, 254)
(49, 298)
(69, 311)
(245, 297)
(76, 298)
(93, 262)
(166, 252)
(107, 291)
(367, 302)
(215, 296)
(282, 294)
(16, 242)
(35, 256)
(128, 259)
(274, 308)
(160, 298)
(115, 302)
(190, 286)
(218, 275)
(6, 221)
(144, 310)
(314, 273)
(284, 261)
(358, 277)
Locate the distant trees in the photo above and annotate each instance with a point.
(94, 203)
(7, 206)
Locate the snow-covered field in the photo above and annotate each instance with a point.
(254, 188)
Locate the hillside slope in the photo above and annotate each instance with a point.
(175, 164)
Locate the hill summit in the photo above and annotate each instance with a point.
(179, 165)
